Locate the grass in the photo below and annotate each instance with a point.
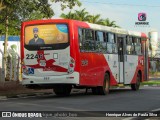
(151, 82)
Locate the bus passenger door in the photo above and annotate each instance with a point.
(131, 58)
(120, 41)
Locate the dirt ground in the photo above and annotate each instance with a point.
(11, 88)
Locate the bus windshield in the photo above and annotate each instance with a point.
(45, 35)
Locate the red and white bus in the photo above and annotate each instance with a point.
(64, 54)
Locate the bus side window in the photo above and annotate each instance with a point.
(100, 42)
(130, 45)
(111, 43)
(143, 45)
(80, 37)
(115, 50)
(138, 46)
(88, 43)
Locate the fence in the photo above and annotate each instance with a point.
(2, 71)
(12, 66)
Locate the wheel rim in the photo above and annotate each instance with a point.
(106, 85)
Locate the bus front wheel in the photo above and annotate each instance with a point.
(62, 90)
(136, 85)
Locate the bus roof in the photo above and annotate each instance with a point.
(90, 25)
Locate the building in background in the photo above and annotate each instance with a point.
(154, 51)
(153, 36)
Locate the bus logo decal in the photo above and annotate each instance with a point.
(84, 62)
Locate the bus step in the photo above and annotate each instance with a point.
(120, 85)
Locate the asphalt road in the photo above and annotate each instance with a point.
(146, 99)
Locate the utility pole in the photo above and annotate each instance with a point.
(5, 46)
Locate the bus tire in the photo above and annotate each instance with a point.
(62, 90)
(104, 90)
(136, 85)
(95, 90)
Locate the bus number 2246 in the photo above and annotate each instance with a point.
(32, 56)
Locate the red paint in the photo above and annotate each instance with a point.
(140, 67)
(143, 35)
(91, 74)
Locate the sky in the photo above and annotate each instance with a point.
(124, 12)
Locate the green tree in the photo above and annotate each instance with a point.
(107, 22)
(82, 15)
(95, 19)
(13, 12)
(1, 5)
(68, 3)
(70, 15)
(17, 11)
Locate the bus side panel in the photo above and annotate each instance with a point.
(22, 41)
(140, 68)
(74, 45)
(145, 45)
(93, 68)
(87, 73)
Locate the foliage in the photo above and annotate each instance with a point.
(17, 11)
(83, 15)
(107, 22)
(68, 3)
(152, 82)
(95, 19)
(70, 15)
(1, 5)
